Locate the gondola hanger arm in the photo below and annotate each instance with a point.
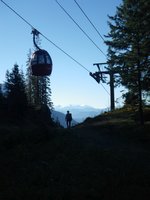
(35, 33)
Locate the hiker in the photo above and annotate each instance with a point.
(68, 119)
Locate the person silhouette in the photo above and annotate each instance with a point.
(68, 119)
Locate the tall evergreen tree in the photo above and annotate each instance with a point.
(129, 43)
(2, 101)
(15, 91)
(32, 83)
(45, 91)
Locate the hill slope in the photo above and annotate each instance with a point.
(99, 159)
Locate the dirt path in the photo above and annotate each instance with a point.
(124, 161)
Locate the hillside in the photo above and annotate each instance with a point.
(107, 157)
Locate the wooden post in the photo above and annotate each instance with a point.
(112, 95)
(140, 98)
(98, 76)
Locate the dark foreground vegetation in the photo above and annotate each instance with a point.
(107, 157)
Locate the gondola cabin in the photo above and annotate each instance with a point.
(41, 63)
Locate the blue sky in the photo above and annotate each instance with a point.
(70, 83)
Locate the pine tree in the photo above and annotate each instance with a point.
(15, 92)
(31, 83)
(2, 101)
(45, 91)
(129, 44)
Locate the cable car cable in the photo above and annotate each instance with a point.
(89, 20)
(105, 89)
(64, 52)
(47, 38)
(80, 27)
(18, 14)
(44, 36)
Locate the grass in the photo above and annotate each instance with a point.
(106, 161)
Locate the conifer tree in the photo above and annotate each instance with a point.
(32, 83)
(129, 43)
(2, 100)
(28, 79)
(45, 91)
(15, 92)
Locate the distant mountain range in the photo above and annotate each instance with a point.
(79, 113)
